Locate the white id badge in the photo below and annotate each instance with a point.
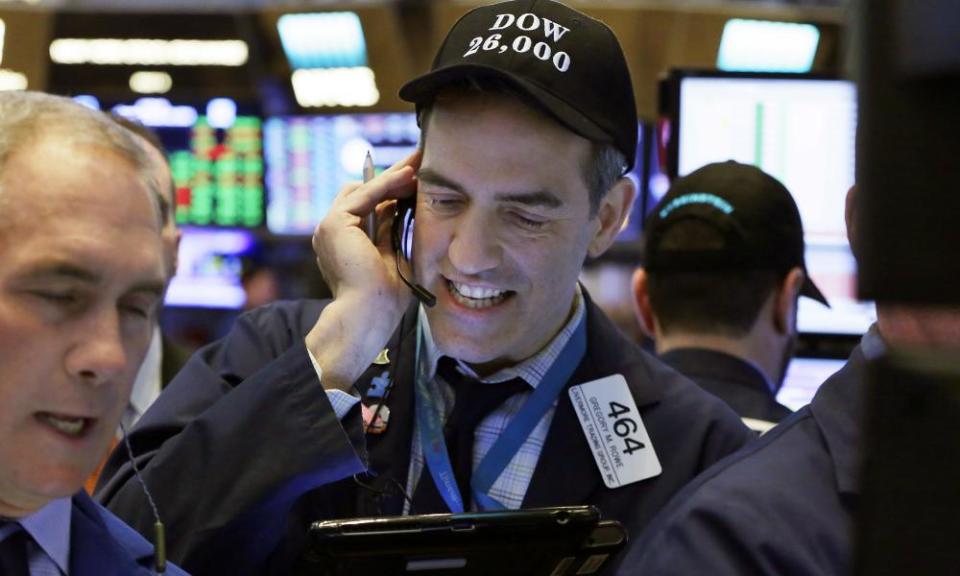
(614, 431)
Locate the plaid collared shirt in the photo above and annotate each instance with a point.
(511, 487)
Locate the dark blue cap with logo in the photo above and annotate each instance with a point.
(754, 213)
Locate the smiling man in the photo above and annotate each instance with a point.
(76, 314)
(476, 395)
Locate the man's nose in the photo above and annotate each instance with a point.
(99, 356)
(475, 247)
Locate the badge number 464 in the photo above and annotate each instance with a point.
(624, 426)
(614, 431)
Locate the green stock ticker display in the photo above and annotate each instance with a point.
(219, 180)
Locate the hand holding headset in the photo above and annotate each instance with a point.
(400, 236)
(400, 232)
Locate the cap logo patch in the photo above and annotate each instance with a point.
(529, 22)
(697, 198)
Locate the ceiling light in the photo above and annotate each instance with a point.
(335, 87)
(144, 52)
(158, 112)
(323, 40)
(10, 80)
(221, 113)
(151, 82)
(765, 46)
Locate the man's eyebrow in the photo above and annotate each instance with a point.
(532, 198)
(69, 271)
(435, 178)
(151, 287)
(66, 270)
(536, 198)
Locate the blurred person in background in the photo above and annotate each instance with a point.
(786, 504)
(723, 270)
(164, 358)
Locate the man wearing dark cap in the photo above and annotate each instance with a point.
(723, 270)
(471, 396)
(787, 503)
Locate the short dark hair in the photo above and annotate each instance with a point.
(604, 165)
(717, 302)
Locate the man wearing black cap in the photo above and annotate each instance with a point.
(723, 269)
(475, 396)
(787, 503)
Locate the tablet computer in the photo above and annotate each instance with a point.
(556, 541)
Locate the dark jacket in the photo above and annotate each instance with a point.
(784, 505)
(243, 450)
(102, 545)
(738, 383)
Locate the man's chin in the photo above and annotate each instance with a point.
(472, 352)
(33, 488)
(40, 487)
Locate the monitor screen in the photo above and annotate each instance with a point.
(217, 172)
(803, 379)
(801, 130)
(215, 156)
(309, 158)
(209, 268)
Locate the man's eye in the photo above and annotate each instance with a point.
(527, 223)
(60, 298)
(139, 309)
(443, 203)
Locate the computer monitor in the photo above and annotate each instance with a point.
(217, 172)
(801, 129)
(309, 158)
(803, 379)
(209, 268)
(215, 155)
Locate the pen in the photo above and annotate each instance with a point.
(371, 219)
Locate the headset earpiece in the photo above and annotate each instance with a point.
(403, 227)
(401, 237)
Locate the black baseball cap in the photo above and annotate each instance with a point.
(570, 64)
(754, 213)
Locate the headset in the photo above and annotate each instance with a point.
(159, 532)
(401, 236)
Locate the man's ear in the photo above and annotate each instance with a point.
(850, 218)
(784, 309)
(611, 214)
(641, 304)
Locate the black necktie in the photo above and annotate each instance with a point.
(13, 553)
(473, 401)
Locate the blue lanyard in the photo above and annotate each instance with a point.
(506, 446)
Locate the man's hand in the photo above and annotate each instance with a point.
(369, 297)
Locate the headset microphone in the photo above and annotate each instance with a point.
(422, 294)
(400, 235)
(159, 534)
